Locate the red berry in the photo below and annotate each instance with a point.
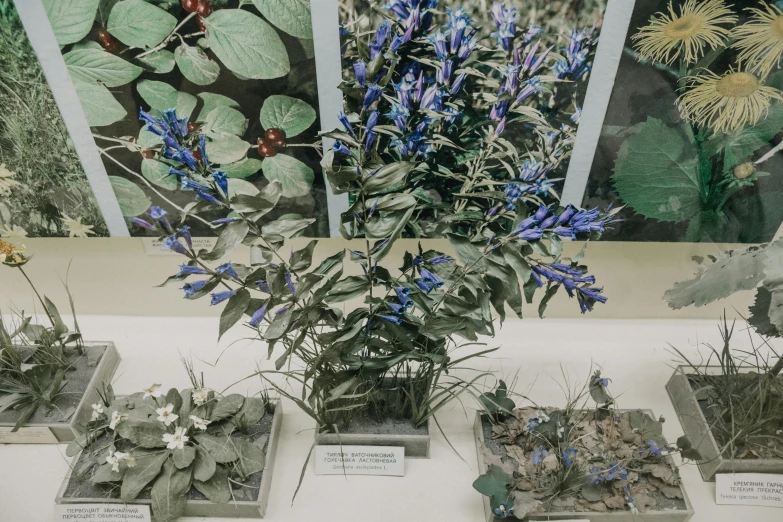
(148, 154)
(275, 136)
(192, 126)
(204, 9)
(201, 26)
(109, 45)
(266, 149)
(190, 5)
(197, 154)
(104, 35)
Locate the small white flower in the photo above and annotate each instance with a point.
(76, 228)
(176, 440)
(166, 414)
(560, 431)
(543, 416)
(130, 461)
(97, 411)
(115, 457)
(116, 418)
(199, 423)
(200, 396)
(152, 391)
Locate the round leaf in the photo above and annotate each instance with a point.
(133, 201)
(157, 173)
(211, 101)
(227, 150)
(240, 187)
(243, 168)
(71, 20)
(98, 104)
(292, 16)
(98, 65)
(289, 114)
(295, 177)
(162, 96)
(225, 121)
(160, 62)
(139, 24)
(246, 44)
(195, 65)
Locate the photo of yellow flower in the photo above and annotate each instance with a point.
(760, 40)
(726, 103)
(698, 27)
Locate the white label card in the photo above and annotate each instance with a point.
(102, 512)
(154, 246)
(360, 460)
(27, 435)
(749, 489)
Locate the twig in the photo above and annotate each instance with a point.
(168, 39)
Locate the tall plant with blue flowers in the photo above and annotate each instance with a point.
(391, 354)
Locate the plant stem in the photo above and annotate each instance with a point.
(46, 309)
(168, 39)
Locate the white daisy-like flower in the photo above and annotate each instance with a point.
(13, 232)
(152, 391)
(200, 396)
(176, 440)
(6, 183)
(116, 418)
(199, 423)
(97, 411)
(116, 457)
(76, 228)
(166, 414)
(10, 253)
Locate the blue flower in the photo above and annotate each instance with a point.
(596, 476)
(360, 70)
(227, 269)
(439, 41)
(533, 423)
(173, 244)
(221, 181)
(652, 447)
(144, 224)
(222, 221)
(504, 19)
(616, 472)
(504, 511)
(392, 319)
(219, 297)
(193, 287)
(189, 184)
(258, 316)
(373, 94)
(186, 270)
(184, 231)
(208, 197)
(531, 234)
(400, 114)
(381, 35)
(569, 456)
(264, 287)
(532, 32)
(340, 148)
(538, 455)
(428, 281)
(458, 22)
(346, 123)
(440, 259)
(157, 213)
(202, 147)
(290, 283)
(458, 83)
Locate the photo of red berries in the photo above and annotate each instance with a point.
(239, 73)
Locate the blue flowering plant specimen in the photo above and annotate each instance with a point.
(587, 455)
(36, 358)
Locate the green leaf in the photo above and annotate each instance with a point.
(195, 65)
(137, 23)
(296, 178)
(228, 149)
(224, 121)
(157, 173)
(211, 101)
(230, 237)
(160, 62)
(252, 459)
(219, 448)
(494, 484)
(133, 201)
(287, 228)
(184, 457)
(71, 20)
(216, 488)
(146, 434)
(105, 474)
(169, 493)
(279, 324)
(148, 466)
(96, 65)
(656, 173)
(243, 168)
(740, 145)
(234, 310)
(348, 288)
(246, 44)
(292, 16)
(227, 407)
(240, 187)
(162, 96)
(291, 115)
(760, 310)
(204, 466)
(388, 177)
(98, 103)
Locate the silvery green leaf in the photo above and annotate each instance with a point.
(148, 466)
(169, 492)
(279, 324)
(160, 62)
(253, 410)
(157, 173)
(227, 149)
(195, 65)
(105, 474)
(204, 466)
(137, 23)
(98, 103)
(216, 488)
(184, 457)
(224, 121)
(96, 65)
(227, 406)
(388, 177)
(240, 187)
(252, 459)
(148, 140)
(211, 101)
(296, 178)
(132, 200)
(289, 114)
(220, 448)
(230, 237)
(243, 168)
(232, 313)
(162, 96)
(348, 288)
(146, 434)
(292, 16)
(71, 20)
(287, 228)
(246, 44)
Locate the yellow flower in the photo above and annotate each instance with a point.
(11, 254)
(726, 103)
(6, 183)
(76, 228)
(760, 41)
(670, 36)
(13, 232)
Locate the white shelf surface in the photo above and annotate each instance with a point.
(634, 354)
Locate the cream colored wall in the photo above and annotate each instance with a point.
(115, 276)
